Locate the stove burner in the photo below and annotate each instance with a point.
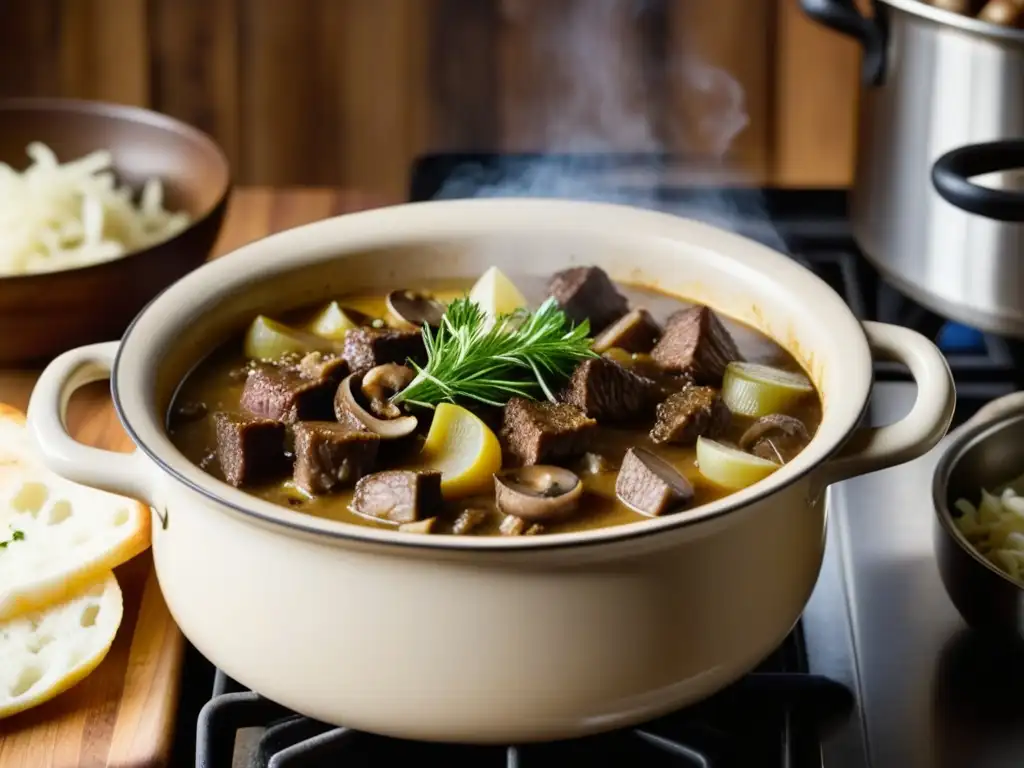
(763, 705)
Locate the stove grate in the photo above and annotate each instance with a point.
(736, 728)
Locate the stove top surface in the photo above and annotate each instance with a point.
(768, 719)
(881, 670)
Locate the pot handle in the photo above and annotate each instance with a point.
(843, 16)
(952, 172)
(873, 448)
(127, 474)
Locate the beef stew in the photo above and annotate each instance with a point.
(479, 422)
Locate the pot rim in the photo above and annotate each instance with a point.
(958, 21)
(131, 385)
(958, 445)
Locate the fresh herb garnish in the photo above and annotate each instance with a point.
(15, 536)
(523, 354)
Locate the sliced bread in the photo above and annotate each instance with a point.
(46, 652)
(57, 538)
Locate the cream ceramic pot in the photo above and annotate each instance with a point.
(472, 639)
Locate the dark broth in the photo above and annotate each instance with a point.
(212, 384)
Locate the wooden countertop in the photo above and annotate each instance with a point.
(123, 713)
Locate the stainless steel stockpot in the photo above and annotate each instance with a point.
(934, 82)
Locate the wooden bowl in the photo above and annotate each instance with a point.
(45, 314)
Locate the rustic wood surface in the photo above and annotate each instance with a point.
(123, 714)
(348, 92)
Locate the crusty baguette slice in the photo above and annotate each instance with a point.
(44, 653)
(60, 536)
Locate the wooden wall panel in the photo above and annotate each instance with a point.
(104, 50)
(459, 104)
(722, 82)
(378, 128)
(194, 66)
(817, 79)
(347, 92)
(290, 121)
(327, 91)
(573, 76)
(29, 29)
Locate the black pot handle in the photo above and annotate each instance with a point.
(843, 16)
(952, 172)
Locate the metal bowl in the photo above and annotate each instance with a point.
(56, 311)
(986, 452)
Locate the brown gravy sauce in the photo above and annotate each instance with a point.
(211, 383)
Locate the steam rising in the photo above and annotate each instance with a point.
(604, 106)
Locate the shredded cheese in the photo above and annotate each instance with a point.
(56, 216)
(995, 528)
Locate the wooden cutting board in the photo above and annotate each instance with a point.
(123, 713)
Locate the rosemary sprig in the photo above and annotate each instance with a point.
(523, 354)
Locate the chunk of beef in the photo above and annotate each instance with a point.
(689, 414)
(366, 348)
(696, 342)
(643, 365)
(399, 495)
(284, 394)
(606, 391)
(650, 485)
(587, 293)
(776, 437)
(330, 456)
(250, 450)
(543, 432)
(321, 367)
(635, 331)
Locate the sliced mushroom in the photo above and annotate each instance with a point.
(538, 492)
(414, 309)
(380, 383)
(775, 437)
(348, 410)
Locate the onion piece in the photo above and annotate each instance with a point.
(333, 322)
(731, 468)
(269, 340)
(496, 295)
(755, 390)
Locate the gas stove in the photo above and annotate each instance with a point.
(879, 672)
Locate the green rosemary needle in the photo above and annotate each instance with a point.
(524, 354)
